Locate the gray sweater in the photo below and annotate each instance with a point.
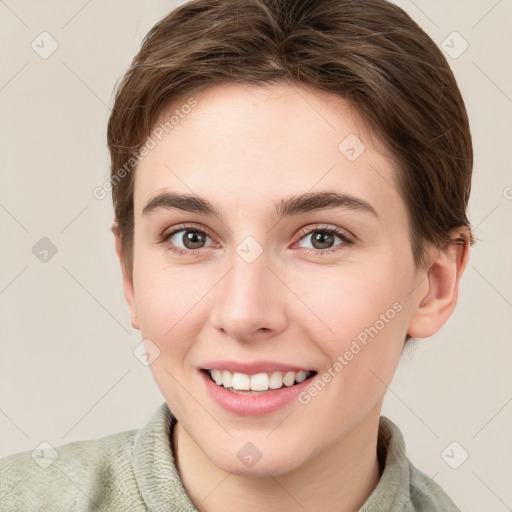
(134, 471)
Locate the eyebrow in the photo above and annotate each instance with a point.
(293, 205)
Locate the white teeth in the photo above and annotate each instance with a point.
(227, 379)
(276, 380)
(241, 381)
(217, 376)
(289, 379)
(257, 382)
(301, 376)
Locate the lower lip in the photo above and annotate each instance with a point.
(253, 405)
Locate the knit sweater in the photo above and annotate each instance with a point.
(134, 471)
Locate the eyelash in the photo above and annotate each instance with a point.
(345, 238)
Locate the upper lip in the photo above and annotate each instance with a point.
(252, 367)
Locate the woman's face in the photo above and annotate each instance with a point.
(304, 271)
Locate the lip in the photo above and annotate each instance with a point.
(252, 367)
(253, 405)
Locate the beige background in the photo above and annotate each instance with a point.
(67, 368)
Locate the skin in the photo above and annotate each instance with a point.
(245, 148)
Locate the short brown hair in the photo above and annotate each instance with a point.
(368, 52)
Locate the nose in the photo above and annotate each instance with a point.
(250, 301)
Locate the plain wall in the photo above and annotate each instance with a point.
(67, 368)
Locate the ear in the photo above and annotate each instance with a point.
(129, 293)
(436, 296)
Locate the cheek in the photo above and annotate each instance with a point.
(349, 302)
(366, 313)
(364, 323)
(166, 299)
(173, 303)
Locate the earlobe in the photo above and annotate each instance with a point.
(436, 296)
(128, 288)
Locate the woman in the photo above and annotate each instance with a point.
(290, 181)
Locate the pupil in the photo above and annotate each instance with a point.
(323, 238)
(194, 238)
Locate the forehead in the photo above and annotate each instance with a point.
(241, 142)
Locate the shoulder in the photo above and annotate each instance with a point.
(403, 487)
(71, 476)
(426, 495)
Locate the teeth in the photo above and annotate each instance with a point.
(227, 379)
(217, 376)
(276, 380)
(257, 382)
(301, 376)
(289, 379)
(241, 381)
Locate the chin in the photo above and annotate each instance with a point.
(264, 466)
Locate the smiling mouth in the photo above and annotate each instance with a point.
(257, 383)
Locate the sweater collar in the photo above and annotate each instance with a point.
(156, 474)
(162, 489)
(392, 492)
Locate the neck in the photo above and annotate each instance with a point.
(339, 479)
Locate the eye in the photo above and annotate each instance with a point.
(186, 239)
(322, 239)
